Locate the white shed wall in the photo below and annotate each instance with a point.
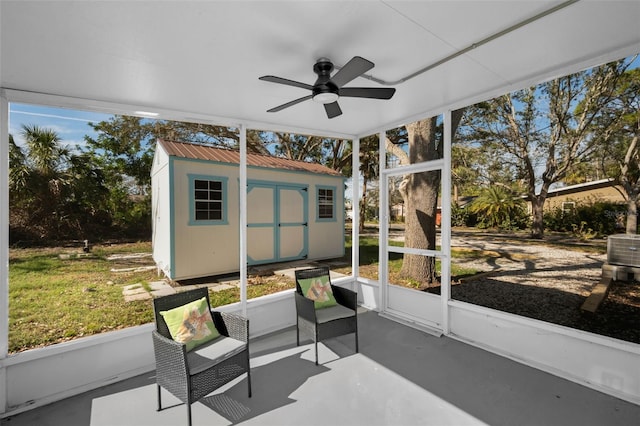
(202, 250)
(161, 211)
(208, 249)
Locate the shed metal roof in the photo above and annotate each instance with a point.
(222, 155)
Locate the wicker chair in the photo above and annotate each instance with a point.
(321, 324)
(192, 375)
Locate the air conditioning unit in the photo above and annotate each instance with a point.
(624, 249)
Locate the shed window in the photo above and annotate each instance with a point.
(326, 203)
(208, 200)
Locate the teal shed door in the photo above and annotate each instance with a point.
(277, 222)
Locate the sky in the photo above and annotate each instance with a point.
(70, 125)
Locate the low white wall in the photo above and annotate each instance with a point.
(415, 306)
(609, 365)
(369, 294)
(40, 376)
(267, 314)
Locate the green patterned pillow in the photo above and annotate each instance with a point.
(318, 289)
(191, 324)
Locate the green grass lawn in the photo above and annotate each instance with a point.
(58, 294)
(54, 299)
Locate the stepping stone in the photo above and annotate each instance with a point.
(133, 289)
(136, 269)
(137, 296)
(161, 288)
(129, 256)
(135, 292)
(158, 285)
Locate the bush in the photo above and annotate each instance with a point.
(597, 219)
(498, 207)
(461, 216)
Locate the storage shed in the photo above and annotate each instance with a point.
(295, 210)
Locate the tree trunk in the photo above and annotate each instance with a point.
(630, 185)
(537, 224)
(632, 214)
(363, 206)
(422, 203)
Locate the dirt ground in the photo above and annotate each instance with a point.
(548, 283)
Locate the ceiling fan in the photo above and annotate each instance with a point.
(327, 90)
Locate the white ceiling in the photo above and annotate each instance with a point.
(203, 58)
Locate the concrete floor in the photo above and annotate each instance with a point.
(400, 377)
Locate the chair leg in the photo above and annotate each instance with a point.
(159, 400)
(188, 413)
(316, 342)
(297, 333)
(249, 378)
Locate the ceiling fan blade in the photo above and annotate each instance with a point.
(332, 109)
(280, 80)
(288, 104)
(354, 68)
(367, 92)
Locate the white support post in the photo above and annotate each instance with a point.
(355, 209)
(243, 218)
(383, 222)
(4, 246)
(445, 224)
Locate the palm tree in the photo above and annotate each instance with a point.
(496, 206)
(46, 155)
(18, 170)
(38, 179)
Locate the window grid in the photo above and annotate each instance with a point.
(325, 203)
(208, 199)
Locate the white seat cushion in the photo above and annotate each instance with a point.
(333, 313)
(207, 355)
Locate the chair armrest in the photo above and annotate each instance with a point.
(305, 308)
(345, 297)
(171, 356)
(231, 325)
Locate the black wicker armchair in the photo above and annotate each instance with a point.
(328, 322)
(192, 375)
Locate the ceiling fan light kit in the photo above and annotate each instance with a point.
(327, 90)
(325, 98)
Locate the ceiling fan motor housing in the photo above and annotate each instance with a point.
(324, 90)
